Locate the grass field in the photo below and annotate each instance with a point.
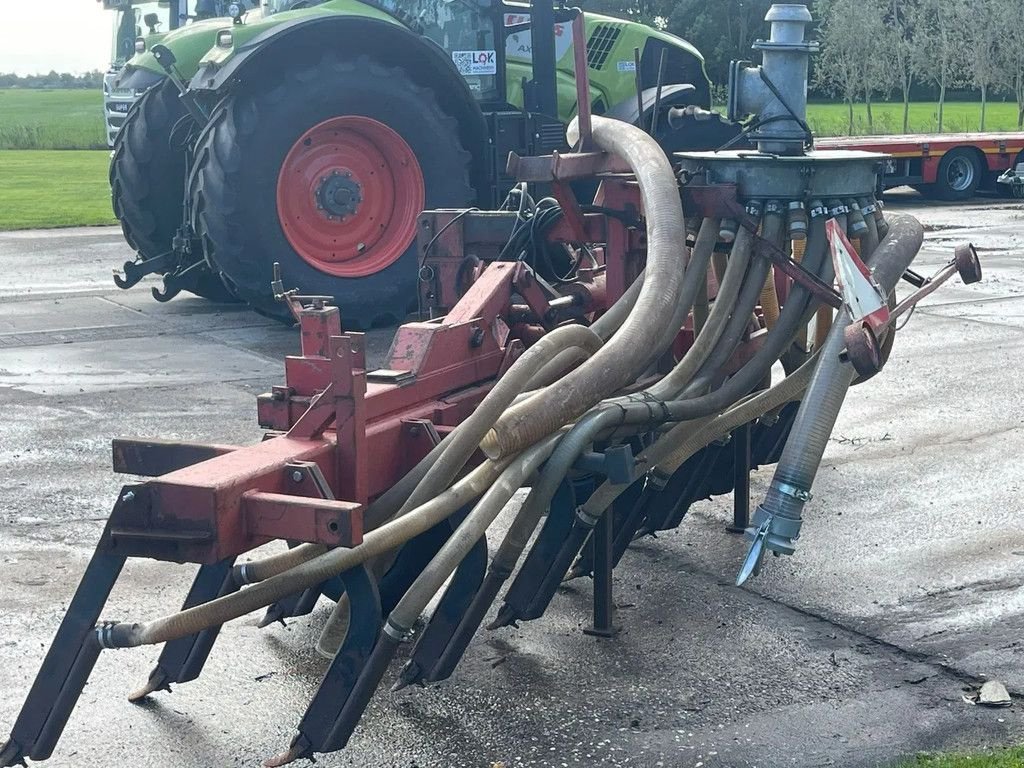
(1011, 758)
(958, 116)
(50, 188)
(41, 187)
(57, 119)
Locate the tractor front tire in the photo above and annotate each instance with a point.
(325, 170)
(147, 180)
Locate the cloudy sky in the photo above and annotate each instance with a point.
(65, 35)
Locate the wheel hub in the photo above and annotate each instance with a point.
(338, 195)
(348, 195)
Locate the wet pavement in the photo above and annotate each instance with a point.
(905, 587)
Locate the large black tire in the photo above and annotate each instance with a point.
(959, 174)
(234, 182)
(147, 180)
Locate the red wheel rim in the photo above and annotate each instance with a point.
(348, 196)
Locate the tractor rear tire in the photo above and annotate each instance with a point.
(325, 170)
(147, 180)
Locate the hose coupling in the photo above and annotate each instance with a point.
(837, 208)
(111, 634)
(797, 220)
(727, 230)
(858, 226)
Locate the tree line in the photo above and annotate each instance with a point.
(89, 80)
(874, 49)
(871, 50)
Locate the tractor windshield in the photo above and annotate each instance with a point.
(134, 20)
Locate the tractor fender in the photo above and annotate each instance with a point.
(386, 42)
(672, 95)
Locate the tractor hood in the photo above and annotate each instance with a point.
(188, 44)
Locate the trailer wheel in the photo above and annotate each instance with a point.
(958, 176)
(147, 181)
(325, 171)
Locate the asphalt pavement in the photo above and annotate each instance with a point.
(904, 590)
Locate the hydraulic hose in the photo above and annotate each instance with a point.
(319, 569)
(620, 360)
(779, 517)
(604, 326)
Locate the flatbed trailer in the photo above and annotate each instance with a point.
(950, 166)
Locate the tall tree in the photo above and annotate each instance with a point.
(898, 43)
(722, 30)
(979, 20)
(1011, 52)
(940, 46)
(852, 59)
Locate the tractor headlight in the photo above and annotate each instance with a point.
(225, 39)
(235, 10)
(140, 45)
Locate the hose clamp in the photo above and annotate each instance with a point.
(657, 479)
(818, 210)
(788, 489)
(243, 574)
(586, 518)
(103, 635)
(395, 632)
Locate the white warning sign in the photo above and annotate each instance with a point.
(476, 62)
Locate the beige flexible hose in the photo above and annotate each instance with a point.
(458, 545)
(469, 433)
(774, 228)
(575, 338)
(321, 568)
(686, 438)
(620, 360)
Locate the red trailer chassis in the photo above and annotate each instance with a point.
(951, 166)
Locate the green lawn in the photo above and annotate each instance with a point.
(831, 119)
(1010, 758)
(46, 188)
(51, 119)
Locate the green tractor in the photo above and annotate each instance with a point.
(312, 134)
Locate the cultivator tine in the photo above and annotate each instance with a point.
(299, 604)
(317, 730)
(67, 665)
(631, 521)
(555, 530)
(473, 616)
(446, 619)
(182, 660)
